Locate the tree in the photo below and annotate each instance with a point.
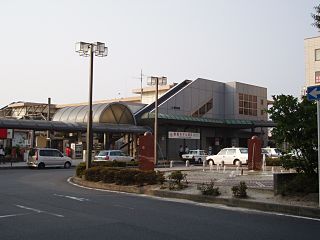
(296, 125)
(316, 17)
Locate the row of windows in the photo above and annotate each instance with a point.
(248, 105)
(203, 109)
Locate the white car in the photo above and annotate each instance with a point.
(271, 152)
(44, 157)
(195, 155)
(230, 156)
(113, 155)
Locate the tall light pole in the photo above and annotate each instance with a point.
(156, 81)
(89, 49)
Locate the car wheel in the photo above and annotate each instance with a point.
(211, 161)
(237, 162)
(41, 166)
(132, 160)
(67, 165)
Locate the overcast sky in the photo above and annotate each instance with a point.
(252, 41)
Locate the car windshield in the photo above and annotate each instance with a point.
(102, 153)
(243, 150)
(192, 152)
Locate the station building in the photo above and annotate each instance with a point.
(200, 114)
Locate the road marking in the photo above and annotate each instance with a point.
(71, 197)
(38, 211)
(13, 215)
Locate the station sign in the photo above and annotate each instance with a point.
(184, 135)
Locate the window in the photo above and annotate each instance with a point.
(262, 112)
(231, 152)
(261, 101)
(317, 54)
(203, 109)
(247, 104)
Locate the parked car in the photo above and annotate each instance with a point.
(271, 152)
(195, 155)
(113, 155)
(230, 156)
(45, 157)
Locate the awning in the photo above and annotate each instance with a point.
(199, 121)
(42, 125)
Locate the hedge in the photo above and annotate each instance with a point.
(120, 176)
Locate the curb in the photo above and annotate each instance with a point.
(231, 202)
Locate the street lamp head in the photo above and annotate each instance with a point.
(83, 49)
(100, 50)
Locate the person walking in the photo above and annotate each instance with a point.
(186, 149)
(181, 151)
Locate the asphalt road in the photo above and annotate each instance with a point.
(41, 204)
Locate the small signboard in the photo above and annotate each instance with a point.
(184, 135)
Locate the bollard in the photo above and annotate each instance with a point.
(187, 163)
(272, 169)
(204, 164)
(171, 164)
(224, 168)
(241, 171)
(238, 163)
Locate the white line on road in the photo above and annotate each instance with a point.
(39, 211)
(13, 215)
(71, 197)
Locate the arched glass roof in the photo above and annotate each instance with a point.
(115, 113)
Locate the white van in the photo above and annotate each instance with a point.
(43, 157)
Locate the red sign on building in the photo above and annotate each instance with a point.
(3, 133)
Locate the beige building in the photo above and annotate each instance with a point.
(312, 60)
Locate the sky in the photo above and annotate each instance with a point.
(251, 41)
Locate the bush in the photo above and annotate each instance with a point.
(301, 184)
(108, 174)
(93, 174)
(240, 191)
(109, 164)
(126, 176)
(175, 179)
(80, 169)
(209, 189)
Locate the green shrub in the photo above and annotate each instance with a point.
(146, 177)
(126, 176)
(160, 177)
(240, 191)
(93, 174)
(301, 184)
(109, 164)
(209, 189)
(175, 180)
(108, 174)
(80, 169)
